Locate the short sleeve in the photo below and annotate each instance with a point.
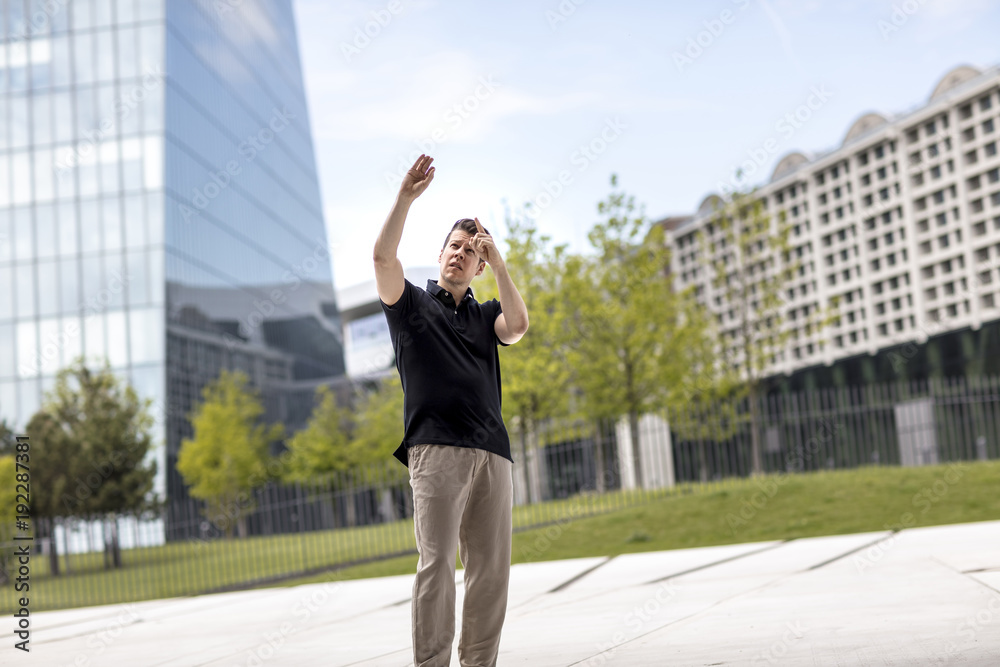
(401, 306)
(494, 311)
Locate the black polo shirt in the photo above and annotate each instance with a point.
(450, 369)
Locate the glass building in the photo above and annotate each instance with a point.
(160, 208)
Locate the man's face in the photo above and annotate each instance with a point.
(459, 262)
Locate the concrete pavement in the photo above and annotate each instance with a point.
(926, 596)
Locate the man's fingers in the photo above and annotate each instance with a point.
(422, 163)
(479, 226)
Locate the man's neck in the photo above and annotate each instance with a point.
(457, 291)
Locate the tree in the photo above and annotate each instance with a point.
(55, 464)
(629, 328)
(378, 422)
(8, 497)
(227, 458)
(90, 441)
(7, 438)
(321, 447)
(535, 374)
(753, 266)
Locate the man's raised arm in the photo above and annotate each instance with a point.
(388, 269)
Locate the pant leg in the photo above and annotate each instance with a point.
(484, 541)
(440, 476)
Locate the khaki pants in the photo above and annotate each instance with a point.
(461, 497)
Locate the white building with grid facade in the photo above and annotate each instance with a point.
(900, 226)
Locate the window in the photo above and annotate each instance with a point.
(985, 103)
(987, 126)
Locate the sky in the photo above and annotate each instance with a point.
(542, 101)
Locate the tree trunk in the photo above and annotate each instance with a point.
(50, 526)
(633, 421)
(599, 461)
(525, 462)
(757, 462)
(67, 525)
(702, 462)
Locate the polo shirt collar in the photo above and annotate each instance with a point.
(444, 295)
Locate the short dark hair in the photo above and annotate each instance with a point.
(467, 225)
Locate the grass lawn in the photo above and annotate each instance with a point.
(773, 507)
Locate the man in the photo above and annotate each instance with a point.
(454, 442)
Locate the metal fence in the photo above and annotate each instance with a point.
(563, 471)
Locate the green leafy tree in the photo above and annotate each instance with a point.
(323, 446)
(7, 438)
(95, 433)
(55, 468)
(754, 266)
(8, 504)
(227, 457)
(535, 374)
(629, 330)
(378, 422)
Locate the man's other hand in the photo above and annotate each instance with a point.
(418, 177)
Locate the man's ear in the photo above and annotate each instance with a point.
(482, 265)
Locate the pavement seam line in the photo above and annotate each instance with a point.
(852, 551)
(718, 562)
(768, 584)
(579, 576)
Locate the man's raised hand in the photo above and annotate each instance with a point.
(418, 177)
(483, 244)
